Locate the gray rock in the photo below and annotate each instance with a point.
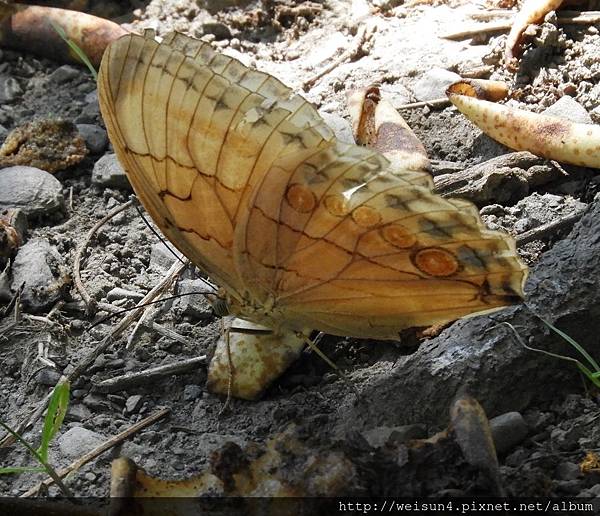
(10, 90)
(47, 376)
(92, 97)
(3, 133)
(192, 392)
(214, 6)
(568, 108)
(77, 441)
(89, 114)
(95, 402)
(380, 436)
(95, 137)
(508, 430)
(522, 225)
(64, 74)
(120, 293)
(32, 190)
(592, 492)
(566, 440)
(78, 412)
(218, 29)
(109, 173)
(567, 471)
(41, 269)
(340, 126)
(160, 256)
(134, 404)
(432, 85)
(194, 305)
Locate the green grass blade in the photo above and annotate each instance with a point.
(75, 48)
(57, 408)
(23, 442)
(8, 471)
(47, 467)
(576, 345)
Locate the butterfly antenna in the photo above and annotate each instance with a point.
(313, 345)
(170, 249)
(157, 234)
(149, 303)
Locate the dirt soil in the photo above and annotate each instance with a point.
(294, 41)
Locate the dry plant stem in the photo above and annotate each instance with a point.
(102, 346)
(87, 299)
(549, 228)
(426, 103)
(362, 35)
(145, 321)
(119, 383)
(30, 30)
(113, 441)
(564, 17)
(477, 30)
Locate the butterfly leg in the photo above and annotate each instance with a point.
(226, 333)
(249, 357)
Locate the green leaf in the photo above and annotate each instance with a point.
(57, 408)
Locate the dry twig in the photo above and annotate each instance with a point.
(364, 33)
(90, 303)
(549, 228)
(119, 383)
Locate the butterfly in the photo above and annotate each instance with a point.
(300, 231)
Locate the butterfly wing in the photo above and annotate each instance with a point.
(195, 130)
(347, 246)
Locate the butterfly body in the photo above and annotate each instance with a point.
(301, 231)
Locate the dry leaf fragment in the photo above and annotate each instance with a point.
(542, 135)
(590, 463)
(375, 123)
(285, 466)
(258, 356)
(532, 11)
(480, 88)
(13, 224)
(50, 145)
(474, 436)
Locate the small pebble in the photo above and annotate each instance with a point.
(78, 441)
(133, 404)
(192, 392)
(10, 90)
(64, 74)
(508, 430)
(96, 139)
(34, 191)
(42, 270)
(109, 173)
(432, 85)
(47, 376)
(567, 471)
